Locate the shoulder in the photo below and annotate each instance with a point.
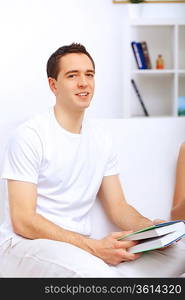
(31, 129)
(39, 120)
(182, 147)
(181, 155)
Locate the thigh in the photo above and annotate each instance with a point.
(47, 258)
(167, 263)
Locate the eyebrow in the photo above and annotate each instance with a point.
(76, 71)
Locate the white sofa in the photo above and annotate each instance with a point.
(147, 150)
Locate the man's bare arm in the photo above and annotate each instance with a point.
(29, 224)
(119, 211)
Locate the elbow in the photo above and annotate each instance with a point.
(21, 226)
(18, 227)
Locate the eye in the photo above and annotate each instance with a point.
(90, 75)
(71, 76)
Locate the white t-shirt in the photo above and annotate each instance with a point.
(67, 168)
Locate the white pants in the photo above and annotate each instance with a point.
(47, 258)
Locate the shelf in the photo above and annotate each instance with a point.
(160, 40)
(160, 89)
(157, 95)
(156, 22)
(181, 72)
(154, 72)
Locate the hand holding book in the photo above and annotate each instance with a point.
(157, 236)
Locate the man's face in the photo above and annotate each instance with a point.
(74, 86)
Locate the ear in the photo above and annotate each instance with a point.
(52, 84)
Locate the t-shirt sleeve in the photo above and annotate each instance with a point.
(23, 156)
(112, 165)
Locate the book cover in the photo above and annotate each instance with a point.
(146, 54)
(141, 54)
(158, 242)
(139, 98)
(154, 231)
(156, 236)
(136, 55)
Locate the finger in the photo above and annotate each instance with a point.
(125, 244)
(126, 256)
(136, 256)
(119, 234)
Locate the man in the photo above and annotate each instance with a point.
(56, 165)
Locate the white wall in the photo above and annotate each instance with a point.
(31, 30)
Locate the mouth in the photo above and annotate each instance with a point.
(83, 95)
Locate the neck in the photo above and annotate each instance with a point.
(71, 122)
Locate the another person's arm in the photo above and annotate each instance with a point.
(178, 207)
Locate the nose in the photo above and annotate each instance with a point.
(82, 82)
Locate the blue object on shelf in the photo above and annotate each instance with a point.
(181, 106)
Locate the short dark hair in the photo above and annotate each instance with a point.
(53, 61)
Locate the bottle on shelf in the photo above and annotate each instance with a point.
(159, 62)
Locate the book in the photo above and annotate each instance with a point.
(139, 97)
(156, 236)
(146, 54)
(141, 54)
(138, 54)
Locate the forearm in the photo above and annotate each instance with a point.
(38, 227)
(178, 211)
(123, 215)
(126, 217)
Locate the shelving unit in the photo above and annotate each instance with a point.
(159, 89)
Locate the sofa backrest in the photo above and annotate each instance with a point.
(147, 150)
